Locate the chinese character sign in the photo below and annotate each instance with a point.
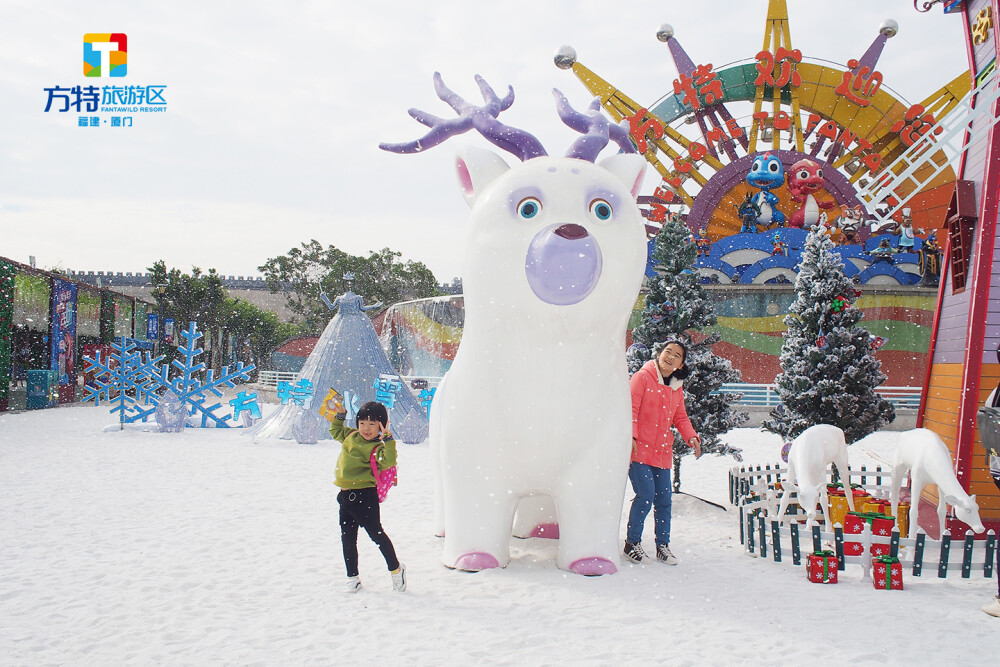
(703, 82)
(386, 387)
(245, 402)
(300, 393)
(781, 60)
(426, 397)
(152, 326)
(861, 87)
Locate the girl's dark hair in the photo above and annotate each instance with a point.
(682, 372)
(372, 411)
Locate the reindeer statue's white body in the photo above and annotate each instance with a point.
(808, 458)
(537, 402)
(921, 453)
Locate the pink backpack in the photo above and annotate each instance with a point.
(384, 479)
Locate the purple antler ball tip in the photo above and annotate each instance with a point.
(565, 57)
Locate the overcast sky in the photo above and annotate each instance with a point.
(275, 112)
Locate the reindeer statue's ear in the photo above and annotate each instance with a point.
(477, 168)
(629, 168)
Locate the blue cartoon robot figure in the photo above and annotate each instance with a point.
(766, 174)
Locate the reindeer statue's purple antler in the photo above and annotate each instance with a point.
(483, 119)
(594, 126)
(597, 130)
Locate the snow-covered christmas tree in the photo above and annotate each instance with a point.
(677, 306)
(829, 370)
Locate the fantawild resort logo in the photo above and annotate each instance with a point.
(105, 54)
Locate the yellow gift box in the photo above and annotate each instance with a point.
(838, 502)
(885, 507)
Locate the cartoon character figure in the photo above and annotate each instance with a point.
(805, 178)
(904, 230)
(749, 212)
(702, 243)
(779, 246)
(766, 174)
(883, 253)
(930, 261)
(850, 223)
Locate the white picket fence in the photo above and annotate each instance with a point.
(762, 534)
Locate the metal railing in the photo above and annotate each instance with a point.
(764, 395)
(272, 378)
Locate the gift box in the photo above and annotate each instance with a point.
(880, 506)
(881, 525)
(821, 567)
(838, 501)
(887, 573)
(877, 505)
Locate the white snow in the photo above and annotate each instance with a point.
(134, 547)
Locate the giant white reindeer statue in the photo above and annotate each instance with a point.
(921, 453)
(810, 455)
(537, 400)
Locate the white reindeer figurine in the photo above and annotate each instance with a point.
(808, 458)
(927, 459)
(537, 403)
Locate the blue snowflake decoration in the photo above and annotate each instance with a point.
(122, 380)
(136, 386)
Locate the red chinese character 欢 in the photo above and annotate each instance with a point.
(766, 62)
(859, 88)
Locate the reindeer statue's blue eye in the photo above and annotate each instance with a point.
(601, 209)
(529, 207)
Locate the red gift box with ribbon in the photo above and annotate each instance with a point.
(887, 572)
(881, 525)
(821, 567)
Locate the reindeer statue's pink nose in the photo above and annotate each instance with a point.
(563, 264)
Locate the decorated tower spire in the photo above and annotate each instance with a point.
(715, 111)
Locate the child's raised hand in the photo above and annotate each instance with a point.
(386, 434)
(333, 404)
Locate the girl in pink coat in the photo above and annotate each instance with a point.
(657, 407)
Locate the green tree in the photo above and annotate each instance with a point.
(828, 368)
(189, 297)
(258, 332)
(304, 272)
(676, 307)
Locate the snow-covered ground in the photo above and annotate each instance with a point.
(204, 547)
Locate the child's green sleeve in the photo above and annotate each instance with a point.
(338, 429)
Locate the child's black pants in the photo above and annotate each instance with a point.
(359, 507)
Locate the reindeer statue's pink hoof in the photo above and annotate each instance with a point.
(593, 567)
(476, 561)
(546, 530)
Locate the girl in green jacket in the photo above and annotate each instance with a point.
(358, 498)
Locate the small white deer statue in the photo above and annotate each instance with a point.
(927, 459)
(808, 458)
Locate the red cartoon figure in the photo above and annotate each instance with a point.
(805, 178)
